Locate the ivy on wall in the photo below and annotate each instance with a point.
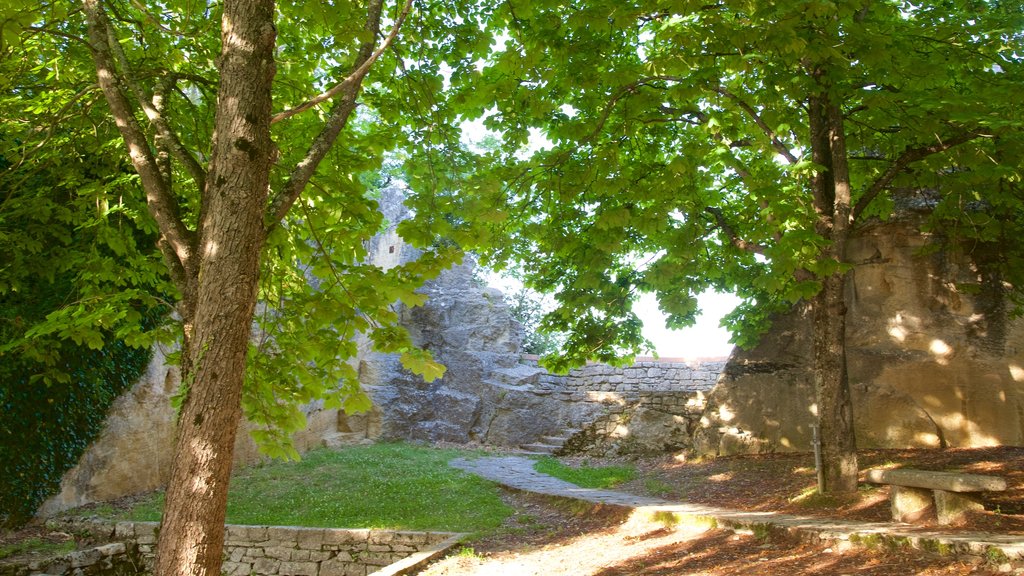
(45, 428)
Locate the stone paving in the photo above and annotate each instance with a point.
(517, 472)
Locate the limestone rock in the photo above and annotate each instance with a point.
(931, 363)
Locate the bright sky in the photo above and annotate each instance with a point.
(705, 339)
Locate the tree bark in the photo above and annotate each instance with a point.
(231, 240)
(832, 202)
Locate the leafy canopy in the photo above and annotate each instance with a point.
(675, 149)
(317, 293)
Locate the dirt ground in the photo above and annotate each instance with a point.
(548, 537)
(555, 537)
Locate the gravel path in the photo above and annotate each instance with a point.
(517, 472)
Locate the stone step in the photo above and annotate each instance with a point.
(555, 440)
(342, 439)
(539, 447)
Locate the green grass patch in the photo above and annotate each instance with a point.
(36, 546)
(586, 476)
(389, 486)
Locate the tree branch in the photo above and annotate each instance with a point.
(734, 238)
(357, 75)
(343, 108)
(772, 136)
(155, 115)
(908, 156)
(162, 204)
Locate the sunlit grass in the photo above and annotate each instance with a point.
(394, 486)
(586, 476)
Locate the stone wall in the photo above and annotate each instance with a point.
(645, 375)
(114, 559)
(648, 424)
(934, 357)
(257, 551)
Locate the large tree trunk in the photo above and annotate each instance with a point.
(832, 388)
(832, 200)
(231, 240)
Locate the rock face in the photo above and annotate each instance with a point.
(133, 453)
(934, 358)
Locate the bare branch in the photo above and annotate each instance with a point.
(908, 156)
(162, 204)
(357, 75)
(343, 108)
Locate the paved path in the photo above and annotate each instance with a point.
(517, 472)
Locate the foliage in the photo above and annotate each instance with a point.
(317, 293)
(81, 285)
(586, 476)
(527, 308)
(73, 227)
(394, 486)
(46, 427)
(677, 150)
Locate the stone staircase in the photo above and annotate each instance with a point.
(549, 445)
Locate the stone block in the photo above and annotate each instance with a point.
(340, 556)
(310, 539)
(911, 504)
(234, 553)
(951, 506)
(335, 567)
(319, 555)
(237, 533)
(84, 558)
(299, 568)
(238, 569)
(376, 558)
(278, 552)
(299, 555)
(281, 533)
(124, 530)
(381, 536)
(266, 566)
(112, 549)
(411, 537)
(403, 548)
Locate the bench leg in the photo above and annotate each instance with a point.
(950, 506)
(911, 504)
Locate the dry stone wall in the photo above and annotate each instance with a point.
(255, 551)
(114, 559)
(644, 376)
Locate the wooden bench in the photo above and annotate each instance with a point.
(917, 494)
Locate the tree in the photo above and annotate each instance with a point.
(247, 145)
(527, 308)
(736, 145)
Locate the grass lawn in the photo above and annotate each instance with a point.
(393, 486)
(586, 476)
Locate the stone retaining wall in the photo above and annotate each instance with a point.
(646, 375)
(651, 407)
(654, 423)
(115, 559)
(256, 550)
